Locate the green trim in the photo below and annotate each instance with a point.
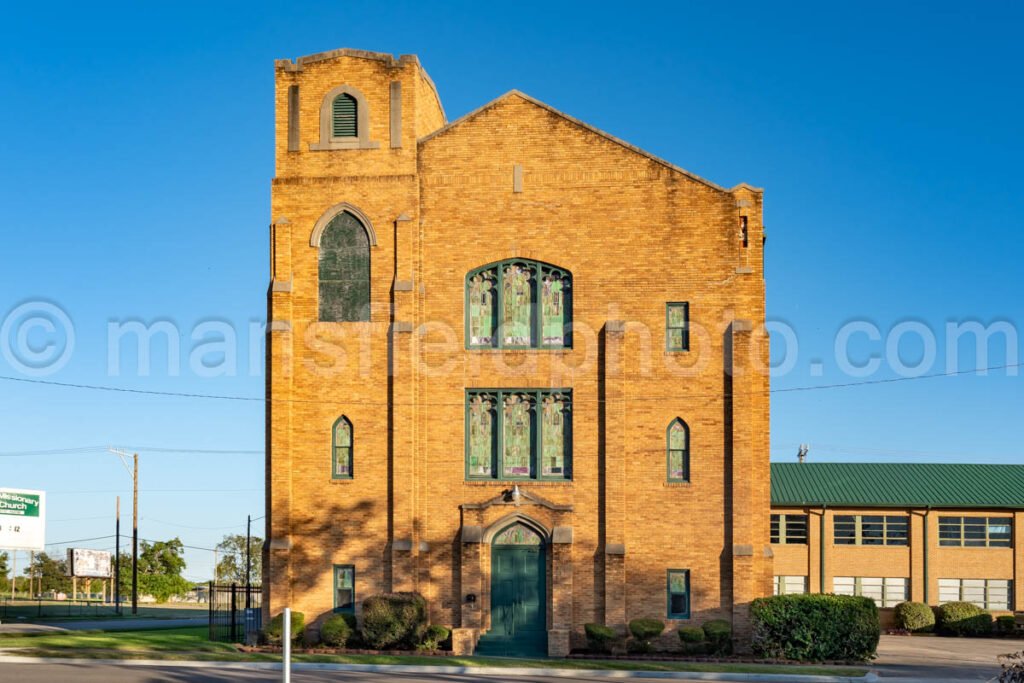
(686, 452)
(334, 449)
(345, 610)
(668, 592)
(539, 269)
(536, 466)
(685, 329)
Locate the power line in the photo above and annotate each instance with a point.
(82, 540)
(139, 449)
(186, 526)
(228, 397)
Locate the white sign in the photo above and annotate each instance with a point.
(88, 563)
(22, 519)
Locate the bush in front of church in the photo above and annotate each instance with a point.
(337, 629)
(394, 621)
(644, 631)
(815, 628)
(600, 638)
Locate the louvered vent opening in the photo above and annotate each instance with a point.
(345, 117)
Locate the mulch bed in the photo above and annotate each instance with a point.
(299, 650)
(704, 659)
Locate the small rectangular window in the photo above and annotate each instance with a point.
(991, 594)
(790, 585)
(789, 529)
(975, 532)
(677, 326)
(344, 588)
(678, 593)
(870, 529)
(886, 592)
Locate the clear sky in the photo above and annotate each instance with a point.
(137, 157)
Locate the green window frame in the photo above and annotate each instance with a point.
(518, 304)
(677, 590)
(871, 530)
(789, 529)
(976, 532)
(518, 434)
(990, 594)
(345, 117)
(342, 442)
(345, 588)
(677, 326)
(677, 451)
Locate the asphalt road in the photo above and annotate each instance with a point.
(109, 673)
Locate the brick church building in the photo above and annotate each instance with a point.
(515, 364)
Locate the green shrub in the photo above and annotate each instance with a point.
(599, 637)
(718, 633)
(275, 629)
(643, 631)
(394, 620)
(337, 629)
(915, 617)
(435, 636)
(815, 627)
(963, 619)
(1006, 624)
(696, 649)
(691, 634)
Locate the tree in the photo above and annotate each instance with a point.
(231, 565)
(50, 573)
(5, 585)
(160, 567)
(162, 558)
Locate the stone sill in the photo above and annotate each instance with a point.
(504, 484)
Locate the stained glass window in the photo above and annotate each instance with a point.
(482, 307)
(481, 436)
(518, 304)
(518, 534)
(341, 465)
(518, 434)
(678, 451)
(344, 588)
(677, 326)
(678, 593)
(555, 430)
(344, 270)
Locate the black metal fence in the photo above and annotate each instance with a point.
(44, 608)
(235, 612)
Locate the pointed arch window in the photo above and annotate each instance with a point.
(341, 449)
(344, 270)
(518, 304)
(678, 451)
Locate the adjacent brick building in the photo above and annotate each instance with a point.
(931, 533)
(514, 364)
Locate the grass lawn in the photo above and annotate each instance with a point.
(59, 610)
(191, 644)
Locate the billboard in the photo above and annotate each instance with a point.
(22, 519)
(88, 563)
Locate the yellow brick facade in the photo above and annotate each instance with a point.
(515, 179)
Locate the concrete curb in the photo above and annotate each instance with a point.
(504, 672)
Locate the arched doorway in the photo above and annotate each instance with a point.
(518, 594)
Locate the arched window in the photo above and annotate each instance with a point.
(678, 450)
(518, 304)
(341, 449)
(344, 117)
(344, 270)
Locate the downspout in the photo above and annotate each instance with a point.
(821, 551)
(927, 512)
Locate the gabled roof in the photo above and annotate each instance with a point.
(585, 126)
(936, 485)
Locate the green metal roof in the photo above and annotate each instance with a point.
(898, 485)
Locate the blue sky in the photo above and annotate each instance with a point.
(138, 156)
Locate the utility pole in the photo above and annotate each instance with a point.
(117, 558)
(248, 563)
(134, 472)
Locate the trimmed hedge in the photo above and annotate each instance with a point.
(599, 637)
(435, 636)
(915, 617)
(691, 634)
(275, 630)
(963, 619)
(338, 629)
(394, 620)
(815, 628)
(1006, 624)
(718, 633)
(643, 631)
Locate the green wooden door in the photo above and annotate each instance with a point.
(517, 593)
